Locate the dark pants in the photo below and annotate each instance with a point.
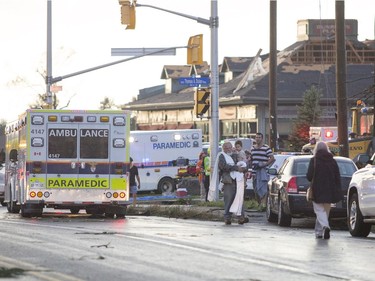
(206, 185)
(230, 190)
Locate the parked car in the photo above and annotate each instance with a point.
(361, 201)
(286, 198)
(2, 185)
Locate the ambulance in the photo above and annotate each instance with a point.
(67, 159)
(327, 134)
(159, 154)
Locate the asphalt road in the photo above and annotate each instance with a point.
(62, 246)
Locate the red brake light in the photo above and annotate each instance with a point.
(292, 185)
(329, 134)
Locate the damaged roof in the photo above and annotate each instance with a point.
(292, 81)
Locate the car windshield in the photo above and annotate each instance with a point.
(346, 168)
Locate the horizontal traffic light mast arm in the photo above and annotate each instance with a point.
(198, 19)
(59, 78)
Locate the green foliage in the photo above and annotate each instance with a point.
(308, 114)
(41, 102)
(107, 103)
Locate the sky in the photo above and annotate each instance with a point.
(84, 31)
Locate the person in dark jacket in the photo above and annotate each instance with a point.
(324, 174)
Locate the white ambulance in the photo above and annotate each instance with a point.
(67, 159)
(159, 154)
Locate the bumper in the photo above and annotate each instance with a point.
(299, 207)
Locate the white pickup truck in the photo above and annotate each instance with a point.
(361, 201)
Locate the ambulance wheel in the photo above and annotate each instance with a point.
(74, 210)
(166, 185)
(120, 216)
(11, 205)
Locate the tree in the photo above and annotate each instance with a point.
(64, 54)
(107, 103)
(307, 115)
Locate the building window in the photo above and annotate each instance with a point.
(230, 129)
(248, 129)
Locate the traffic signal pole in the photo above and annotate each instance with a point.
(213, 23)
(49, 53)
(214, 124)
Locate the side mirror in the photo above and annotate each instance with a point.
(272, 171)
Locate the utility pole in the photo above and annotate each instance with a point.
(273, 135)
(341, 98)
(214, 124)
(49, 54)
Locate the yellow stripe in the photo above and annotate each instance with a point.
(119, 184)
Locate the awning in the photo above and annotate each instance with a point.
(185, 126)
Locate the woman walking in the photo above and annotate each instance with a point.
(324, 175)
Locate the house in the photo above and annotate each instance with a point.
(244, 98)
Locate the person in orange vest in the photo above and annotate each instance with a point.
(200, 171)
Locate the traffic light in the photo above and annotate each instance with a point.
(202, 101)
(128, 13)
(195, 50)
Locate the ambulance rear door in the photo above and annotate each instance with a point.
(78, 156)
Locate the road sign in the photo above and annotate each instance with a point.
(143, 51)
(195, 81)
(55, 88)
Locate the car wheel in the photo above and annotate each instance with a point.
(109, 215)
(283, 219)
(271, 217)
(357, 227)
(166, 185)
(3, 203)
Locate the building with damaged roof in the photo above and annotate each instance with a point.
(244, 95)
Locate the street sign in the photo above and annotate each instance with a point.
(143, 51)
(55, 88)
(195, 81)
